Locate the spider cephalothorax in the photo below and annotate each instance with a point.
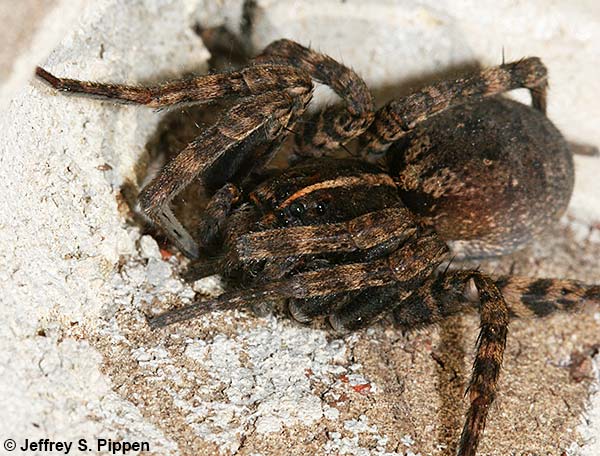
(456, 167)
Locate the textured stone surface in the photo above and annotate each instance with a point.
(76, 357)
(60, 227)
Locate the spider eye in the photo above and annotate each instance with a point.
(296, 209)
(321, 207)
(281, 216)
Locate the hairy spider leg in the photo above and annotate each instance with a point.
(332, 127)
(398, 117)
(497, 299)
(375, 233)
(273, 97)
(526, 297)
(361, 233)
(422, 308)
(216, 156)
(409, 265)
(390, 233)
(221, 204)
(197, 90)
(491, 343)
(216, 213)
(282, 71)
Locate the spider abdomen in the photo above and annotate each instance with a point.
(489, 176)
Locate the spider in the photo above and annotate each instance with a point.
(451, 168)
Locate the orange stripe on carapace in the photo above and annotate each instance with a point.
(371, 180)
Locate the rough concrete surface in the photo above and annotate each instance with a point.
(80, 271)
(28, 14)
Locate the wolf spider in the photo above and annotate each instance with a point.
(456, 166)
